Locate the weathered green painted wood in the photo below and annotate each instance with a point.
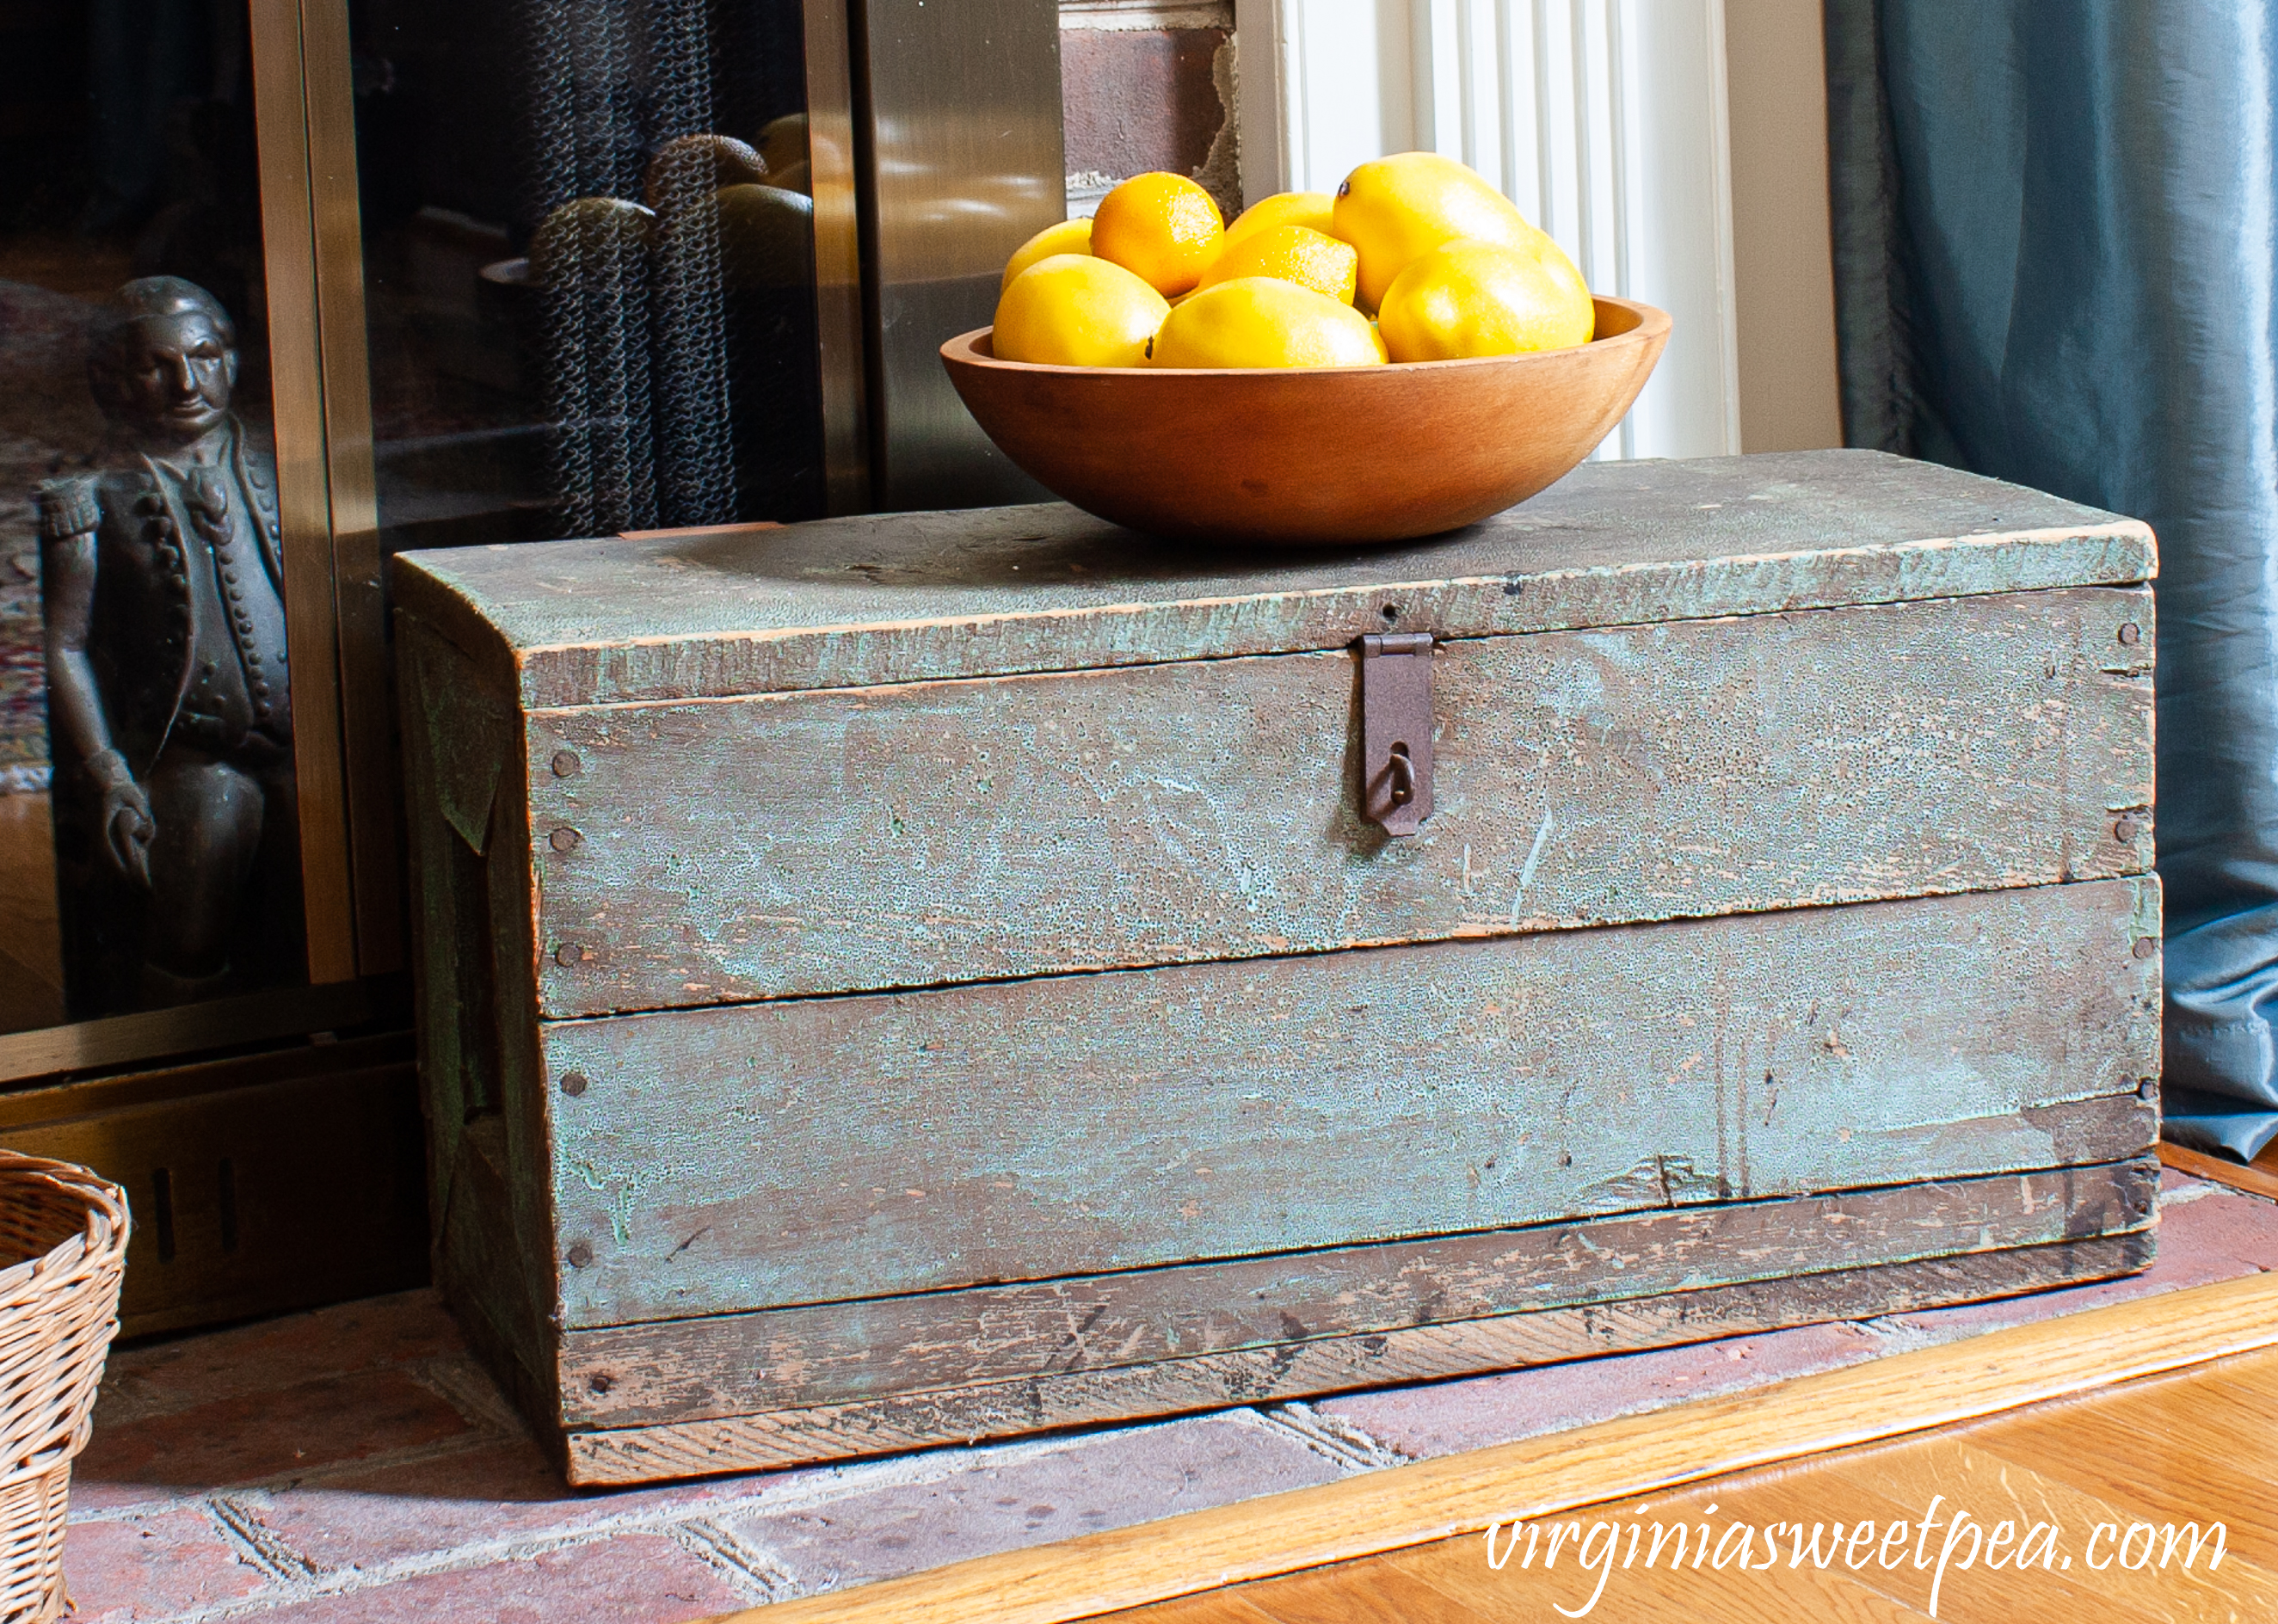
(1254, 1375)
(486, 1273)
(677, 1370)
(815, 1150)
(490, 1198)
(912, 597)
(1011, 826)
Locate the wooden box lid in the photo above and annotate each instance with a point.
(903, 597)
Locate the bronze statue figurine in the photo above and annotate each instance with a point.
(169, 701)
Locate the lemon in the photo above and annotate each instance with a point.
(1471, 298)
(1398, 208)
(1162, 227)
(1265, 322)
(1561, 270)
(1068, 237)
(1293, 253)
(1314, 210)
(1074, 310)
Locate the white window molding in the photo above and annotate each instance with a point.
(1604, 120)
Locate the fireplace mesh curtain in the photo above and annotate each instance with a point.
(632, 323)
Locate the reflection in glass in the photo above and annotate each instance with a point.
(589, 266)
(148, 849)
(169, 713)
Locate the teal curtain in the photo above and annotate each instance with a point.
(2055, 264)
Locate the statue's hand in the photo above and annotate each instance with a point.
(125, 817)
(127, 823)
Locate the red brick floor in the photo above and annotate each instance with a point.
(354, 1464)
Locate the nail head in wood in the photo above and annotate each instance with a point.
(567, 765)
(2148, 1089)
(569, 955)
(2145, 946)
(574, 1083)
(2124, 830)
(569, 840)
(580, 1254)
(2131, 634)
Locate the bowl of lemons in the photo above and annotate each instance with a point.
(1401, 358)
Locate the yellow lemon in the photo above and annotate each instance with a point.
(1265, 322)
(1162, 227)
(1471, 298)
(1072, 310)
(1293, 253)
(1398, 208)
(1314, 210)
(1561, 270)
(1068, 237)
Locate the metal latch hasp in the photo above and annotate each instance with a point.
(1395, 730)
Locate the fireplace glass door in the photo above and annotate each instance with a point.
(589, 266)
(150, 845)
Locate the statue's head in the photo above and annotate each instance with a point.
(161, 360)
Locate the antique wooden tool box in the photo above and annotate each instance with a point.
(930, 977)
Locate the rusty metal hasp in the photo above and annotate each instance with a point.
(1395, 730)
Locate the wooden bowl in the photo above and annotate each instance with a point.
(1308, 455)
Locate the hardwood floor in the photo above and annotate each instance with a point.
(2198, 1446)
(2258, 1177)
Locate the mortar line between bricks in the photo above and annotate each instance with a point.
(2199, 1190)
(243, 1533)
(759, 1576)
(1895, 1337)
(1351, 1447)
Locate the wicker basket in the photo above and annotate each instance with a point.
(58, 1310)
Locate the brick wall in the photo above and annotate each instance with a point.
(1146, 86)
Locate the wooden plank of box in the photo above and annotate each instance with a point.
(827, 1150)
(906, 835)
